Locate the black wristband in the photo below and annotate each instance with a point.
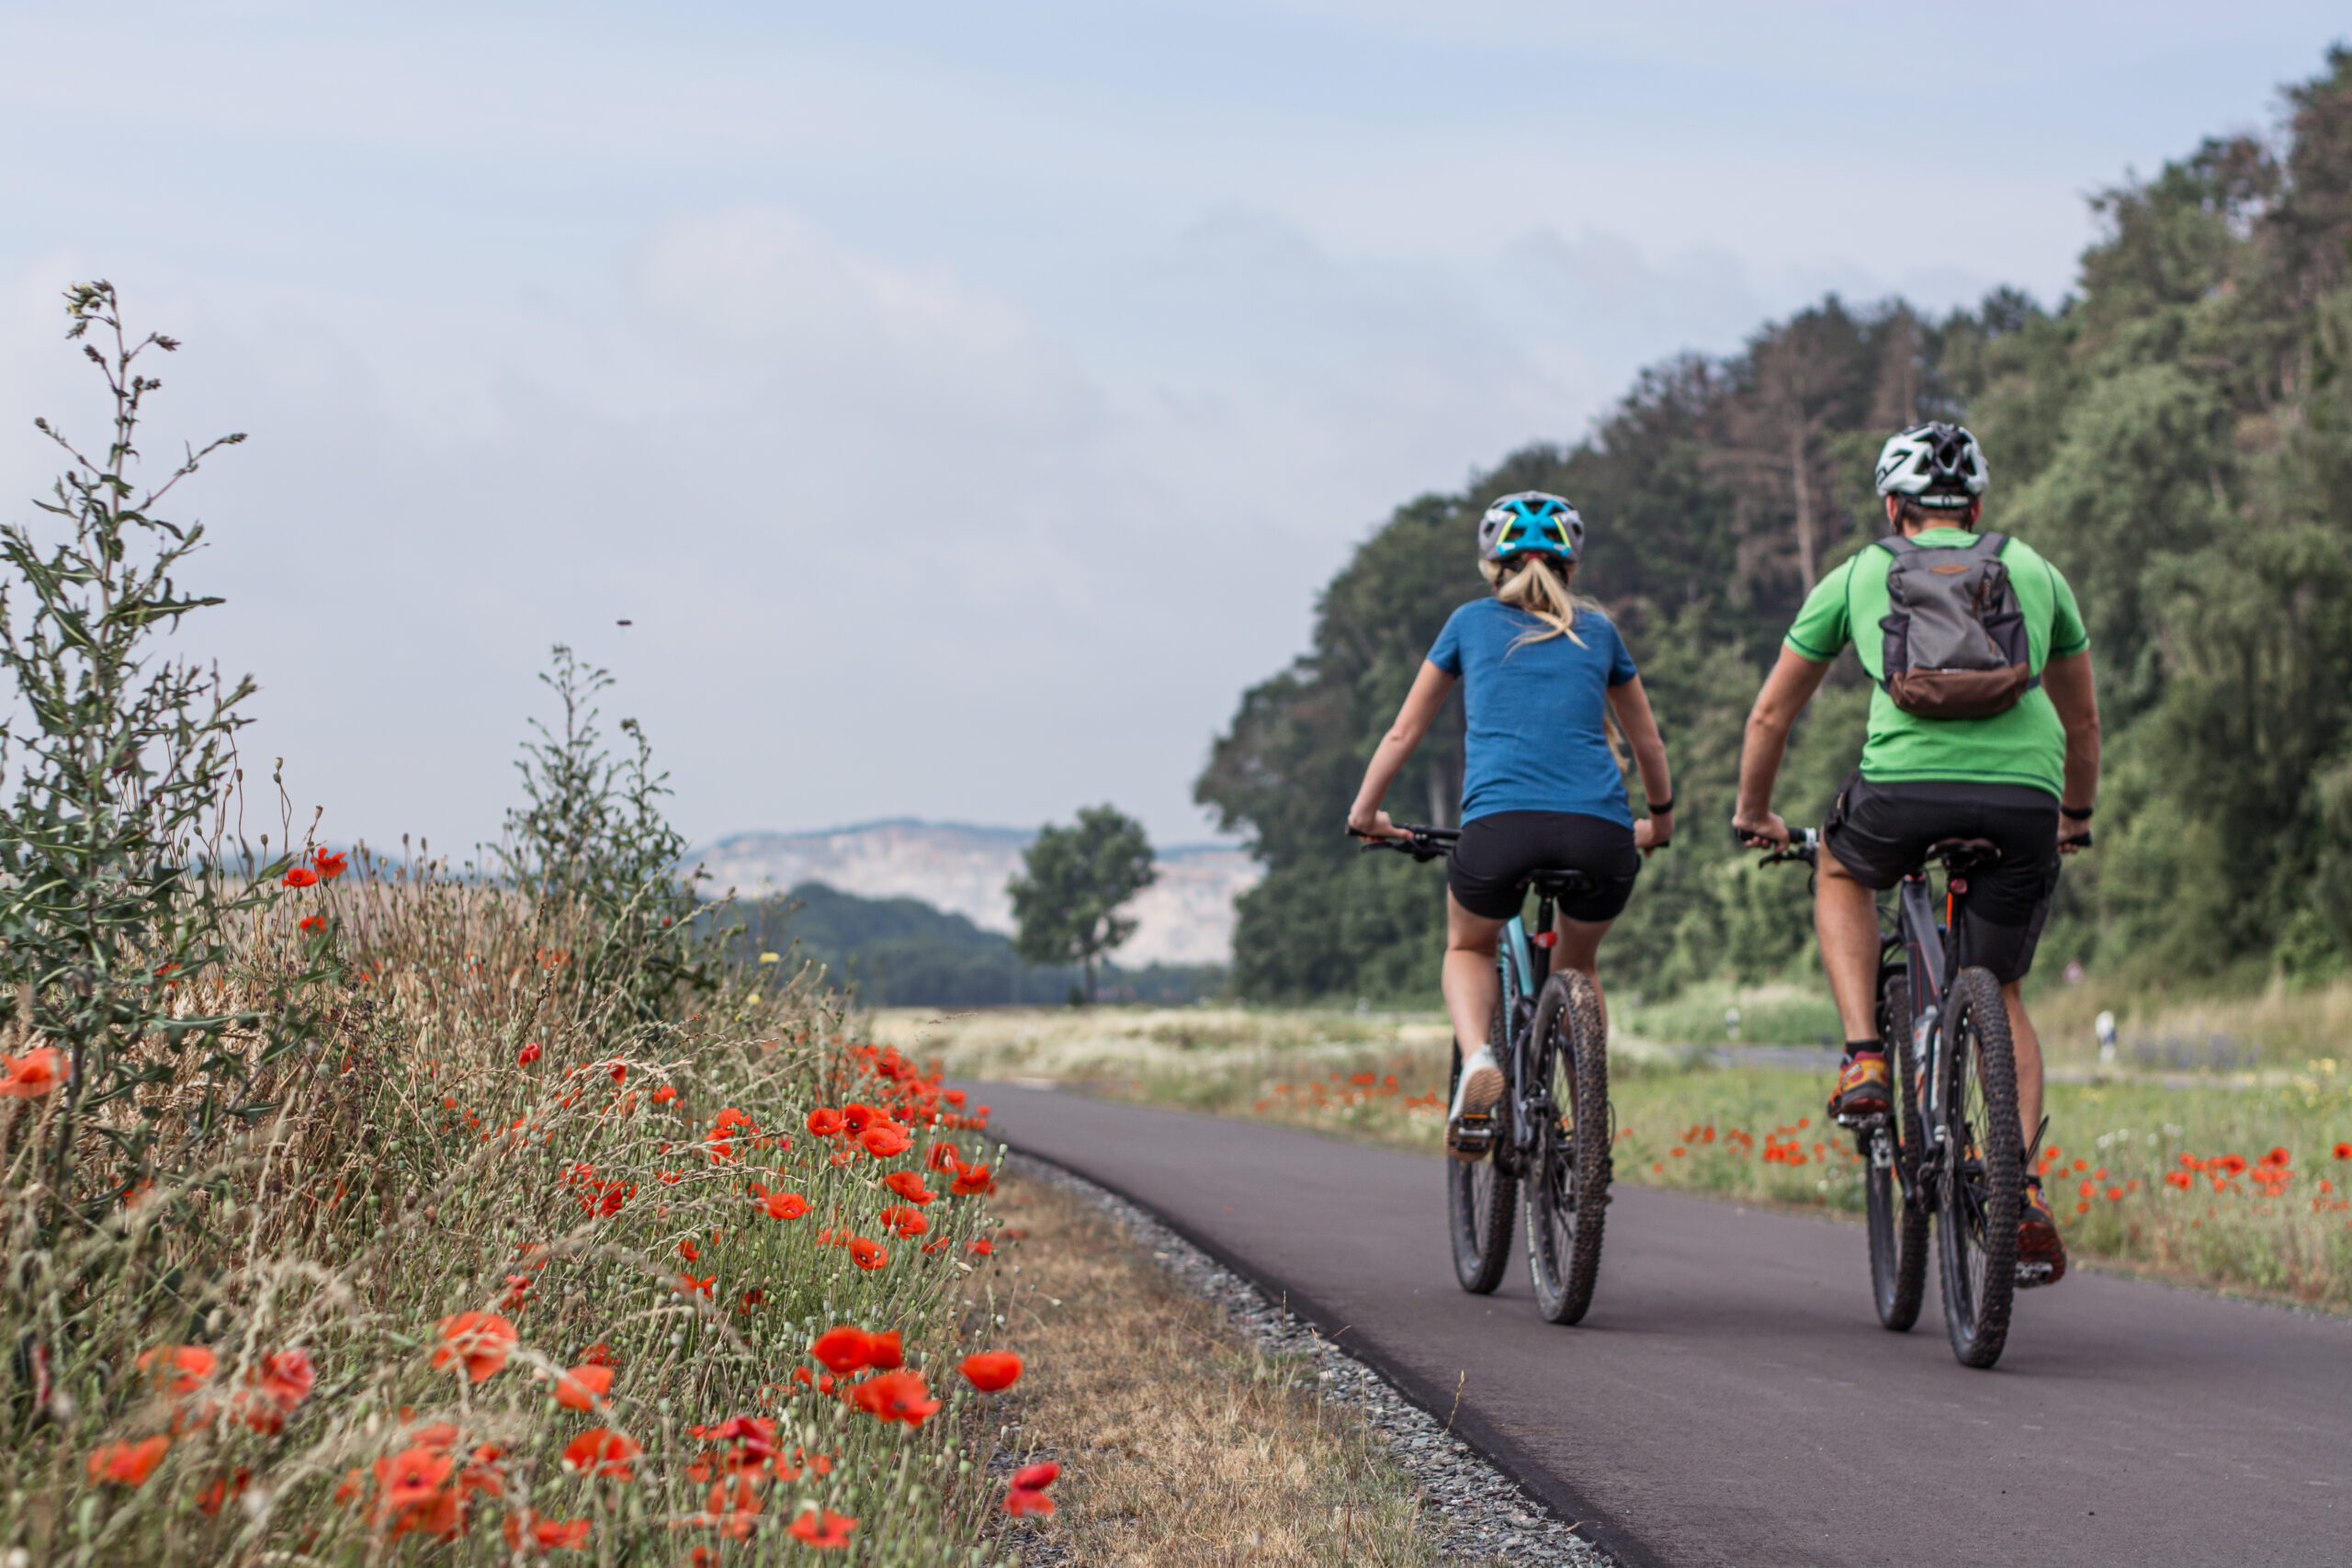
(2074, 814)
(1658, 809)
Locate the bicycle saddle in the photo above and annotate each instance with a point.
(1961, 856)
(1564, 882)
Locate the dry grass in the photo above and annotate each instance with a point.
(1182, 1445)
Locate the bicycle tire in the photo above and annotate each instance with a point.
(1567, 1193)
(1898, 1223)
(1481, 1195)
(1982, 1185)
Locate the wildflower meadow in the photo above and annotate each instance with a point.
(371, 1207)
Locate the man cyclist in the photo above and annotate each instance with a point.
(2010, 777)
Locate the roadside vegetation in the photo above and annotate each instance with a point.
(359, 1210)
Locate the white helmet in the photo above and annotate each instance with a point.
(1937, 465)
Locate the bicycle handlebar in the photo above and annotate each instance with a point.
(1422, 843)
(1803, 847)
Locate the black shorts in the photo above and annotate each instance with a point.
(1497, 854)
(1879, 831)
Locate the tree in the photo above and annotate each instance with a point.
(1073, 882)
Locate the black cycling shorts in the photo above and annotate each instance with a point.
(1497, 854)
(1880, 831)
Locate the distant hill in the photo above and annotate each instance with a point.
(903, 951)
(1185, 918)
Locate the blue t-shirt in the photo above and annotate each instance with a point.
(1535, 739)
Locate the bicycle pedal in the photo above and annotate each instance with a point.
(2030, 1275)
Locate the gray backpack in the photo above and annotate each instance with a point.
(1955, 637)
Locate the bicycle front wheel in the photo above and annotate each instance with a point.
(1898, 1228)
(1567, 1194)
(1982, 1186)
(1481, 1195)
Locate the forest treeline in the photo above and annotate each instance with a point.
(2176, 436)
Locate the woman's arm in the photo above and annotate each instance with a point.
(1431, 688)
(1631, 707)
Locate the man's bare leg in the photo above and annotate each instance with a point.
(1845, 919)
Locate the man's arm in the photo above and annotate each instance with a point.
(1789, 686)
(2074, 695)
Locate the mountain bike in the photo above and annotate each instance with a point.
(1950, 1148)
(1552, 1128)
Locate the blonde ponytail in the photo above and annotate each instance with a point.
(1529, 585)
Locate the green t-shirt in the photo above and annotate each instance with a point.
(2027, 745)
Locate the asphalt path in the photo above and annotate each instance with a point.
(1731, 1399)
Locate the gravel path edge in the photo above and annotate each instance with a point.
(1478, 1511)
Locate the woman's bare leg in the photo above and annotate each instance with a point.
(1468, 978)
(1579, 948)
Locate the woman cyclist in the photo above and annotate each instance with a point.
(1542, 789)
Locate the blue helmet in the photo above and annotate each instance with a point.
(1529, 523)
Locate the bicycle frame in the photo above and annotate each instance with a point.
(1933, 964)
(1523, 961)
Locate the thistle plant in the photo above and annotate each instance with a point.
(119, 879)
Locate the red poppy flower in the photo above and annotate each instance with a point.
(857, 1118)
(328, 866)
(895, 1396)
(992, 1372)
(904, 1221)
(301, 876)
(583, 1387)
(753, 1438)
(844, 1349)
(868, 1255)
(2278, 1156)
(312, 923)
(128, 1464)
(32, 1075)
(479, 1341)
(277, 1389)
(822, 1529)
(687, 1250)
(886, 1140)
(824, 1122)
(1024, 1500)
(942, 1157)
(665, 1094)
(600, 1451)
(784, 1205)
(690, 1286)
(182, 1368)
(529, 1053)
(413, 1476)
(222, 1489)
(972, 1181)
(528, 1533)
(883, 1352)
(1036, 1477)
(982, 1247)
(908, 1184)
(2344, 1151)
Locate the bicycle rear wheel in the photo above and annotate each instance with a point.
(1898, 1228)
(1982, 1185)
(1567, 1193)
(1481, 1195)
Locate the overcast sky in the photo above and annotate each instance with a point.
(965, 401)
